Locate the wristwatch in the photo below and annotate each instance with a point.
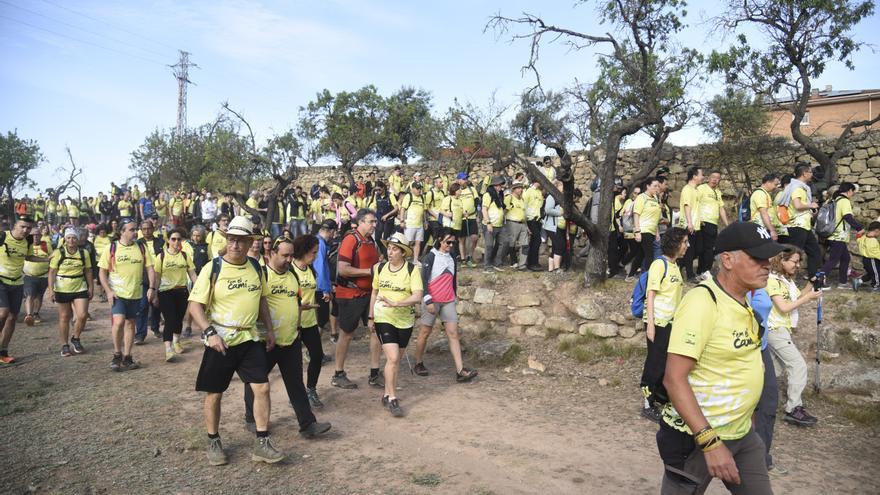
(209, 332)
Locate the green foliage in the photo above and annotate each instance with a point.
(18, 157)
(408, 116)
(544, 112)
(426, 479)
(735, 115)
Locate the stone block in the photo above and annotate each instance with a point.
(493, 313)
(870, 181)
(524, 300)
(858, 166)
(626, 331)
(484, 296)
(860, 154)
(536, 332)
(874, 162)
(466, 292)
(515, 331)
(527, 317)
(604, 330)
(585, 308)
(466, 308)
(618, 318)
(560, 324)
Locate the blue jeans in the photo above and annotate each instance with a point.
(275, 230)
(146, 312)
(298, 227)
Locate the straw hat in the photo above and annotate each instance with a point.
(399, 240)
(516, 184)
(497, 181)
(242, 226)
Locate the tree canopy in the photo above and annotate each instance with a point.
(18, 158)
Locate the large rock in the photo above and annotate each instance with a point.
(493, 313)
(585, 307)
(560, 324)
(626, 331)
(492, 350)
(524, 300)
(536, 332)
(484, 296)
(527, 317)
(466, 308)
(858, 165)
(618, 318)
(859, 154)
(874, 162)
(604, 330)
(438, 346)
(515, 331)
(466, 291)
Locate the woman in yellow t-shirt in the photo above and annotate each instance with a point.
(838, 250)
(305, 250)
(71, 284)
(397, 288)
(172, 269)
(451, 209)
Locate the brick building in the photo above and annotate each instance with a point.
(827, 112)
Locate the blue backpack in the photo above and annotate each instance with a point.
(640, 292)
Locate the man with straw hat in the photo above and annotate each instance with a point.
(226, 301)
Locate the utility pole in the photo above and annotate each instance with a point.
(181, 73)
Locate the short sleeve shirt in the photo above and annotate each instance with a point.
(648, 209)
(283, 300)
(710, 204)
(70, 277)
(869, 247)
(12, 255)
(396, 285)
(842, 230)
(415, 210)
(173, 269)
(690, 198)
(234, 301)
(776, 286)
(307, 288)
(760, 199)
(367, 255)
(803, 218)
(468, 196)
(127, 273)
(664, 278)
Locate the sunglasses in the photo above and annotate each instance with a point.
(175, 239)
(449, 243)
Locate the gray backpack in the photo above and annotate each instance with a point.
(825, 220)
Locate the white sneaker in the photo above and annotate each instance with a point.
(705, 276)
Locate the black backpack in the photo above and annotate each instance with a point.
(333, 261)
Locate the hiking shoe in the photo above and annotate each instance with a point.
(629, 278)
(178, 348)
(116, 363)
(536, 268)
(856, 283)
(29, 320)
(77, 346)
(128, 363)
(65, 350)
(216, 456)
(799, 416)
(471, 264)
(376, 381)
(843, 287)
(341, 380)
(250, 425)
(420, 369)
(157, 334)
(326, 359)
(776, 470)
(465, 375)
(651, 413)
(37, 319)
(499, 269)
(394, 408)
(314, 400)
(170, 356)
(315, 429)
(334, 337)
(264, 451)
(139, 340)
(187, 333)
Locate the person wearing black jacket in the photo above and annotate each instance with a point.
(386, 210)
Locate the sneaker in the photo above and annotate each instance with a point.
(471, 264)
(65, 350)
(856, 284)
(116, 363)
(499, 269)
(629, 278)
(157, 334)
(139, 340)
(29, 320)
(264, 451)
(465, 375)
(326, 359)
(216, 456)
(394, 408)
(536, 268)
(250, 426)
(341, 380)
(376, 381)
(77, 346)
(385, 401)
(314, 400)
(7, 360)
(705, 275)
(170, 356)
(128, 363)
(178, 348)
(334, 337)
(651, 413)
(843, 287)
(875, 289)
(488, 270)
(420, 369)
(88, 317)
(187, 333)
(315, 429)
(799, 416)
(776, 470)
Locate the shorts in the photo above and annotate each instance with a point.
(35, 286)
(323, 310)
(352, 310)
(414, 234)
(446, 312)
(69, 297)
(469, 227)
(248, 359)
(389, 334)
(10, 297)
(126, 307)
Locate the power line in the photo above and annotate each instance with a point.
(93, 33)
(62, 35)
(146, 38)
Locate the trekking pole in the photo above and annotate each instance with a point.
(816, 383)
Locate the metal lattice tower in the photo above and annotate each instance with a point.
(181, 73)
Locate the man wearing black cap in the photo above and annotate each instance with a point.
(714, 373)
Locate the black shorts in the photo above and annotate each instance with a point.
(351, 311)
(389, 334)
(469, 227)
(35, 286)
(323, 310)
(459, 234)
(334, 306)
(247, 359)
(68, 297)
(11, 296)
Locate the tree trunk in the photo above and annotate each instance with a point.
(596, 270)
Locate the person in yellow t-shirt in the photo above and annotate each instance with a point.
(646, 214)
(412, 211)
(216, 240)
(761, 204)
(838, 242)
(305, 251)
(173, 269)
(800, 207)
(226, 301)
(869, 250)
(451, 212)
(433, 203)
(36, 276)
(71, 286)
(714, 372)
(689, 219)
(470, 228)
(711, 210)
(122, 267)
(534, 198)
(395, 182)
(284, 301)
(516, 232)
(397, 289)
(124, 206)
(662, 295)
(492, 214)
(547, 169)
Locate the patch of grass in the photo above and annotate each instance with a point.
(849, 345)
(582, 354)
(426, 479)
(863, 414)
(861, 313)
(25, 398)
(587, 349)
(511, 355)
(483, 491)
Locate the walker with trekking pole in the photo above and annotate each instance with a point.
(820, 277)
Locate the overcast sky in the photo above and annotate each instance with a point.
(94, 75)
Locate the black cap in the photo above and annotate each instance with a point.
(416, 185)
(329, 224)
(750, 237)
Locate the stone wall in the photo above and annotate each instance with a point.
(861, 165)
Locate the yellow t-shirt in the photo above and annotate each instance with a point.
(549, 172)
(515, 208)
(283, 300)
(307, 288)
(452, 204)
(415, 210)
(760, 199)
(235, 301)
(162, 207)
(394, 183)
(38, 269)
(70, 277)
(803, 218)
(434, 201)
(124, 208)
(777, 286)
(667, 288)
(216, 242)
(711, 203)
(869, 247)
(648, 209)
(176, 205)
(101, 244)
(689, 197)
(127, 274)
(395, 286)
(534, 200)
(468, 197)
(12, 254)
(173, 269)
(723, 338)
(491, 212)
(844, 207)
(73, 210)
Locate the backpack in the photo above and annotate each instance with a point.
(626, 218)
(162, 258)
(217, 264)
(113, 254)
(333, 261)
(311, 269)
(409, 268)
(825, 224)
(744, 212)
(82, 259)
(640, 292)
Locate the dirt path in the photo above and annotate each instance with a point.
(72, 426)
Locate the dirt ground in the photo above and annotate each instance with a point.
(72, 426)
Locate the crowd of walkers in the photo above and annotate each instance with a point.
(385, 255)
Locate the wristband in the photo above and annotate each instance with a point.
(209, 332)
(712, 445)
(370, 318)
